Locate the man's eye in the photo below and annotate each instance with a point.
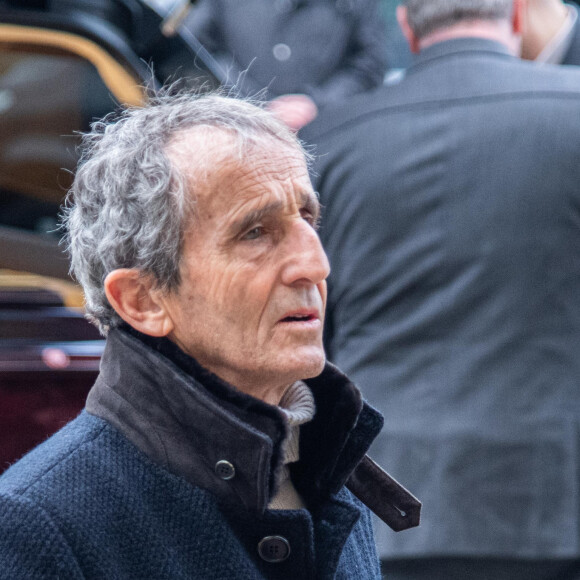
(254, 233)
(313, 221)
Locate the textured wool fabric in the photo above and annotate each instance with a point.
(134, 487)
(87, 504)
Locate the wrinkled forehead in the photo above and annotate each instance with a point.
(225, 176)
(201, 152)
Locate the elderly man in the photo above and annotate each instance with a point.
(452, 222)
(216, 442)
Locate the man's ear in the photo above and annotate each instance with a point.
(137, 301)
(519, 16)
(408, 33)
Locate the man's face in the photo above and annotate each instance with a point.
(250, 306)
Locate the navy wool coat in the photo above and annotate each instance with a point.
(132, 489)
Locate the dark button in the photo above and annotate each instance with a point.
(274, 549)
(224, 469)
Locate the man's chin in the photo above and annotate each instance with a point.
(311, 366)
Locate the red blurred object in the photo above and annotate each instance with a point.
(36, 404)
(63, 64)
(49, 359)
(55, 358)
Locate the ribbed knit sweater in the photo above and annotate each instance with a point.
(298, 406)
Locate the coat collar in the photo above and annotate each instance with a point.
(340, 117)
(187, 419)
(458, 46)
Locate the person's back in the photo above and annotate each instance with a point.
(301, 54)
(452, 224)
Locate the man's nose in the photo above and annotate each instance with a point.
(306, 260)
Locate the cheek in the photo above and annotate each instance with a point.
(237, 292)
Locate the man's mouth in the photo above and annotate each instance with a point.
(300, 316)
(305, 318)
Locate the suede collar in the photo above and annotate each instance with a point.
(187, 419)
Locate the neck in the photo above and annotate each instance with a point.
(499, 31)
(268, 392)
(544, 21)
(272, 396)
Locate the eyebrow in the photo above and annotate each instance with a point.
(308, 201)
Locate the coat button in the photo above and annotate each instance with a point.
(282, 52)
(274, 549)
(224, 469)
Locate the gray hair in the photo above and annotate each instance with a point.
(129, 205)
(427, 16)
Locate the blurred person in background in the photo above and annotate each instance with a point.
(216, 441)
(452, 224)
(552, 32)
(306, 53)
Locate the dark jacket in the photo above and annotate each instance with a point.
(169, 473)
(452, 225)
(328, 49)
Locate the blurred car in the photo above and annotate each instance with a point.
(63, 64)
